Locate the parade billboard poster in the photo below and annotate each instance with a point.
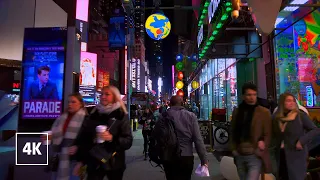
(43, 64)
(88, 77)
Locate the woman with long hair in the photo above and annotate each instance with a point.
(65, 131)
(292, 130)
(147, 121)
(103, 151)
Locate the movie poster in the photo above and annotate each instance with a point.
(88, 77)
(43, 60)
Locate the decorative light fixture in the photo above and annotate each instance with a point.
(194, 84)
(180, 93)
(158, 26)
(179, 85)
(203, 13)
(179, 57)
(179, 66)
(180, 75)
(216, 28)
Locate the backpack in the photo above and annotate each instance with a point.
(164, 144)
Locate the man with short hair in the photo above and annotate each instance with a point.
(251, 135)
(43, 89)
(188, 132)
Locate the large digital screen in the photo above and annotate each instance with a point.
(88, 77)
(82, 10)
(117, 33)
(44, 52)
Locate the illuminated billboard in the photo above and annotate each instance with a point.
(44, 53)
(88, 77)
(82, 9)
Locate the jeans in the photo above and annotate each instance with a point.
(248, 167)
(72, 177)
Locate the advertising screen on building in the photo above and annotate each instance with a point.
(88, 77)
(117, 33)
(43, 72)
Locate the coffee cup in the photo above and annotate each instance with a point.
(100, 129)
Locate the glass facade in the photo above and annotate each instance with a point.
(297, 56)
(218, 89)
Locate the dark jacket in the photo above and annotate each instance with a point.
(260, 130)
(147, 126)
(122, 138)
(302, 129)
(48, 92)
(188, 132)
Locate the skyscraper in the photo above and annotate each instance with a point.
(139, 19)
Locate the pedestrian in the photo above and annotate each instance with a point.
(65, 131)
(147, 121)
(105, 137)
(195, 109)
(250, 136)
(187, 132)
(292, 130)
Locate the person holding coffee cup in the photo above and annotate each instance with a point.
(107, 134)
(64, 138)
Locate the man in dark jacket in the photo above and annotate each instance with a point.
(188, 132)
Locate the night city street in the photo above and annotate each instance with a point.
(206, 89)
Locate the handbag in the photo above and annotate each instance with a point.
(99, 153)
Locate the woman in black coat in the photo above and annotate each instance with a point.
(109, 158)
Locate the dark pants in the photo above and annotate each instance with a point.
(99, 174)
(180, 169)
(283, 171)
(146, 134)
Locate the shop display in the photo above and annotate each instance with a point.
(297, 52)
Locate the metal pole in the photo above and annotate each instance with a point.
(128, 73)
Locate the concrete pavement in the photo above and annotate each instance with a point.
(138, 169)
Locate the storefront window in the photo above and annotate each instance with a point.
(221, 82)
(232, 95)
(297, 55)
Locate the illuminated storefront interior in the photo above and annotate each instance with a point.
(217, 87)
(297, 55)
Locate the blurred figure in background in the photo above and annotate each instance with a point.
(195, 109)
(147, 121)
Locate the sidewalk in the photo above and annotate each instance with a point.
(139, 169)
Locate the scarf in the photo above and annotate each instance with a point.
(61, 142)
(242, 130)
(108, 108)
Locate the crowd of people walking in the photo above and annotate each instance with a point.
(261, 142)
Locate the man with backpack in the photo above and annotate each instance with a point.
(171, 143)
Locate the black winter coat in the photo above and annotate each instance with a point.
(122, 138)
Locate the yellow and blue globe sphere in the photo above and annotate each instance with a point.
(158, 26)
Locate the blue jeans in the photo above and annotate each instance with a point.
(72, 177)
(248, 167)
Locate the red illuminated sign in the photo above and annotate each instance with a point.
(16, 85)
